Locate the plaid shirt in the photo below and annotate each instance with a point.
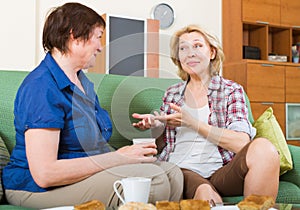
(227, 106)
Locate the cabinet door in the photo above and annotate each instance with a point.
(290, 12)
(292, 77)
(278, 110)
(265, 82)
(267, 11)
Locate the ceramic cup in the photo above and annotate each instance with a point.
(136, 189)
(143, 140)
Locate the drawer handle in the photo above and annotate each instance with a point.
(267, 103)
(262, 22)
(267, 65)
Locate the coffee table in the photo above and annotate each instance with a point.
(279, 206)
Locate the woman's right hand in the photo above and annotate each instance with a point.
(139, 153)
(146, 121)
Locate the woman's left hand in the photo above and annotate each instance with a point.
(177, 119)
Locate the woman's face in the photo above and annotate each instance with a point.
(86, 51)
(195, 53)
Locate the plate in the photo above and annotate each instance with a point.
(230, 207)
(61, 208)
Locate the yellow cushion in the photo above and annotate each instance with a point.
(268, 127)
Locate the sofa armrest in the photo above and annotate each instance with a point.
(294, 174)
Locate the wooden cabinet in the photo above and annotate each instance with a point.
(275, 40)
(273, 12)
(232, 33)
(261, 11)
(290, 13)
(292, 80)
(264, 84)
(278, 110)
(273, 26)
(262, 81)
(252, 23)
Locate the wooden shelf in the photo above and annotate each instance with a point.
(273, 26)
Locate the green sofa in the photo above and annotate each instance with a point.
(121, 96)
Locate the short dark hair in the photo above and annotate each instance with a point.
(74, 18)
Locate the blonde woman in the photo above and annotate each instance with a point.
(203, 126)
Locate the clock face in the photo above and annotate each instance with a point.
(165, 14)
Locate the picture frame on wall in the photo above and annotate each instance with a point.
(292, 121)
(130, 47)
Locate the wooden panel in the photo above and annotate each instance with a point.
(152, 48)
(232, 30)
(236, 72)
(258, 36)
(265, 83)
(295, 35)
(278, 110)
(261, 10)
(280, 41)
(292, 77)
(293, 142)
(100, 59)
(290, 12)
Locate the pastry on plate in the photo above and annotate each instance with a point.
(90, 205)
(256, 202)
(191, 204)
(137, 206)
(167, 205)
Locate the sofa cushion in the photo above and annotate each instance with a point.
(10, 82)
(4, 159)
(122, 95)
(288, 193)
(268, 127)
(293, 175)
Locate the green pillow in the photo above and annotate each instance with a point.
(268, 127)
(4, 159)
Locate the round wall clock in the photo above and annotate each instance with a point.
(165, 14)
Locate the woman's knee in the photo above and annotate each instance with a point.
(261, 149)
(204, 188)
(206, 192)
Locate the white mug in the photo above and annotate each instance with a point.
(136, 189)
(143, 140)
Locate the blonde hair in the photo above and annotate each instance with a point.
(215, 64)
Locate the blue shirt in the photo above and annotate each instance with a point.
(48, 99)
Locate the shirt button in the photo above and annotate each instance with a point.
(96, 111)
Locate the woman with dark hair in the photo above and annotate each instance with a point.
(62, 156)
(203, 126)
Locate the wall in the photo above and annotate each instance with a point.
(25, 23)
(17, 37)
